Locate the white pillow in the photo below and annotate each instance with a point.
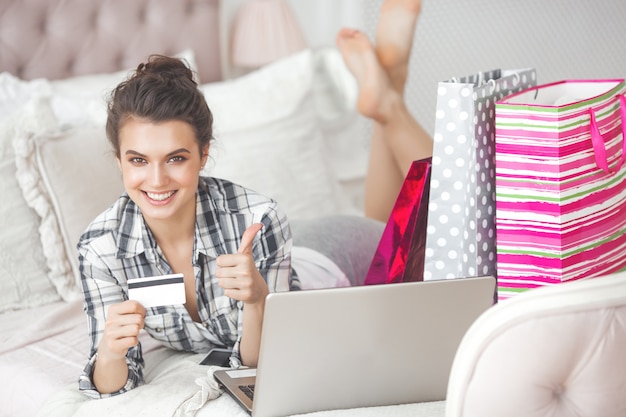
(68, 177)
(347, 132)
(24, 281)
(14, 93)
(269, 138)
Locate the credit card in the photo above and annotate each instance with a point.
(157, 291)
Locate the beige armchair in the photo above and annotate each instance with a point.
(556, 351)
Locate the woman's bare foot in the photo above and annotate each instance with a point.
(394, 38)
(376, 96)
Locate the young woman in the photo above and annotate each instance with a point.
(232, 245)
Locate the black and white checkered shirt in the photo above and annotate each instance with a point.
(118, 246)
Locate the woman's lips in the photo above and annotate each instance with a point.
(159, 197)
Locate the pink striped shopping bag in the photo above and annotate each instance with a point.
(560, 183)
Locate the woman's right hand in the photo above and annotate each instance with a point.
(121, 330)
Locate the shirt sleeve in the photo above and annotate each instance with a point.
(101, 290)
(272, 252)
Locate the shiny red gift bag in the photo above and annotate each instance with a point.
(401, 251)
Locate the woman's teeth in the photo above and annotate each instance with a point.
(160, 196)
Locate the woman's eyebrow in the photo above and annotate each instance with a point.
(180, 150)
(131, 152)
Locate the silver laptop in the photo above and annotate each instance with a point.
(358, 346)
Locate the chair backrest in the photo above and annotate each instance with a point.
(553, 351)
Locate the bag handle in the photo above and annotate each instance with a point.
(598, 143)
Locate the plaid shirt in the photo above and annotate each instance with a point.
(118, 245)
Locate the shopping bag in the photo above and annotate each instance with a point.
(399, 256)
(461, 223)
(560, 184)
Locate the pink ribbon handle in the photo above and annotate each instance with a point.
(598, 143)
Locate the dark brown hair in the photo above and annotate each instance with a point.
(159, 90)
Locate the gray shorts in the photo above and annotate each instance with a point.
(349, 241)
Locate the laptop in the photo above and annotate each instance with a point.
(358, 346)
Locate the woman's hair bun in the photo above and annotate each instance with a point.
(160, 89)
(165, 67)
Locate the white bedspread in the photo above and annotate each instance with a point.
(175, 386)
(41, 349)
(178, 387)
(44, 350)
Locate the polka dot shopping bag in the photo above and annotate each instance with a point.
(461, 235)
(560, 183)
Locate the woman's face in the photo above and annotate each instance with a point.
(160, 165)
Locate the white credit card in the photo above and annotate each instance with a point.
(158, 291)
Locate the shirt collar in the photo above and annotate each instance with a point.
(133, 236)
(209, 236)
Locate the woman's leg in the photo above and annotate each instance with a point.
(349, 241)
(397, 138)
(394, 38)
(395, 31)
(384, 178)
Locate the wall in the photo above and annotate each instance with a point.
(322, 19)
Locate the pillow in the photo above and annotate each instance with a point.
(68, 177)
(24, 279)
(346, 131)
(269, 138)
(14, 93)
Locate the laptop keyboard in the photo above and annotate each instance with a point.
(248, 390)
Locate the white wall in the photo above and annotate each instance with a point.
(321, 19)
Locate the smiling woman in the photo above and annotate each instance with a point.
(231, 244)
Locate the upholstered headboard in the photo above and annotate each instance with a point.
(60, 38)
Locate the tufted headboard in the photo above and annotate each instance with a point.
(56, 39)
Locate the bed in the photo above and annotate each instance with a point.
(58, 60)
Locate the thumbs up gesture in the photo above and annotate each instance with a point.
(238, 275)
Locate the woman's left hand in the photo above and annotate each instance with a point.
(237, 273)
